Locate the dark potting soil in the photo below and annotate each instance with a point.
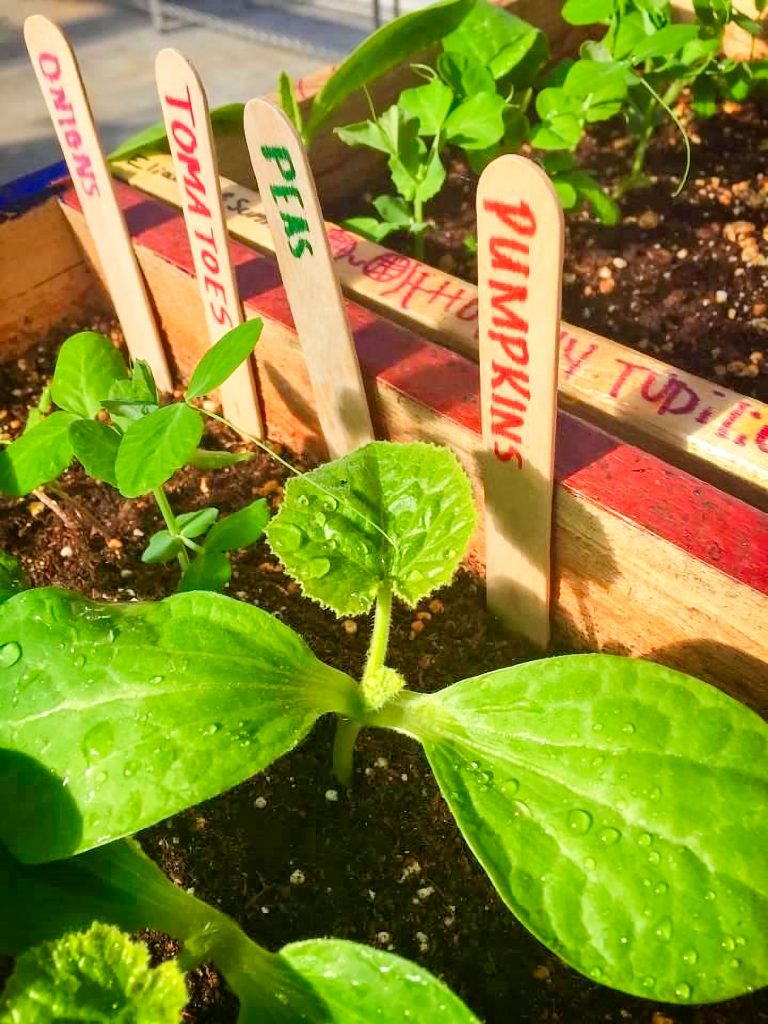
(683, 278)
(288, 853)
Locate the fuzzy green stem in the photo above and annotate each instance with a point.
(377, 652)
(170, 521)
(347, 731)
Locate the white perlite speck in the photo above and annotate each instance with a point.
(332, 795)
(298, 877)
(260, 802)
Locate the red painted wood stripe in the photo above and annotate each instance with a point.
(707, 524)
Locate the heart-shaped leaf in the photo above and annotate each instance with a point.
(95, 975)
(87, 366)
(155, 446)
(400, 514)
(621, 810)
(95, 446)
(37, 457)
(223, 358)
(110, 710)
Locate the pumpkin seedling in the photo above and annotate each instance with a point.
(618, 806)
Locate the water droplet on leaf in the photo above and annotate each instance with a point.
(610, 836)
(664, 929)
(579, 821)
(99, 741)
(9, 654)
(691, 956)
(644, 839)
(683, 990)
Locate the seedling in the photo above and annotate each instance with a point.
(70, 968)
(618, 806)
(111, 420)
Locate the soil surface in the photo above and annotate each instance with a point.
(289, 854)
(682, 278)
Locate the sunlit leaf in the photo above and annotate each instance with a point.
(87, 366)
(37, 457)
(220, 361)
(155, 446)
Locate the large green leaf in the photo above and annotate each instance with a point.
(98, 975)
(320, 981)
(153, 138)
(399, 514)
(223, 358)
(155, 446)
(357, 983)
(111, 709)
(87, 366)
(389, 46)
(40, 455)
(478, 122)
(621, 810)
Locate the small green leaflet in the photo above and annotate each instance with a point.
(87, 366)
(428, 105)
(194, 524)
(289, 101)
(588, 12)
(621, 810)
(240, 529)
(508, 46)
(37, 457)
(95, 446)
(110, 709)
(201, 458)
(155, 446)
(401, 514)
(162, 547)
(209, 570)
(223, 358)
(99, 975)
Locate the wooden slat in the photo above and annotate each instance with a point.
(188, 127)
(700, 426)
(647, 560)
(45, 282)
(58, 76)
(520, 264)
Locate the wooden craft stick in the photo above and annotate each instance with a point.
(188, 126)
(691, 421)
(520, 260)
(59, 78)
(304, 257)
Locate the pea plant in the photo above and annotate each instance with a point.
(475, 99)
(638, 69)
(110, 419)
(618, 806)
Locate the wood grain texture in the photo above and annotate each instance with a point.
(647, 560)
(45, 282)
(520, 231)
(59, 78)
(188, 128)
(700, 426)
(304, 257)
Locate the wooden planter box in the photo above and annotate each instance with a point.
(649, 559)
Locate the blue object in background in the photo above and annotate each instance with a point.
(28, 185)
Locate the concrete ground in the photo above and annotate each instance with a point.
(116, 48)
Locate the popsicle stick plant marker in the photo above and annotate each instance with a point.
(520, 258)
(59, 78)
(293, 213)
(188, 126)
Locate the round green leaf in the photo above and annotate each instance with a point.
(155, 446)
(40, 455)
(621, 810)
(400, 514)
(87, 366)
(95, 446)
(111, 709)
(357, 983)
(226, 355)
(98, 975)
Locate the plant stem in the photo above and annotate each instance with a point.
(347, 731)
(377, 652)
(344, 741)
(638, 159)
(170, 521)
